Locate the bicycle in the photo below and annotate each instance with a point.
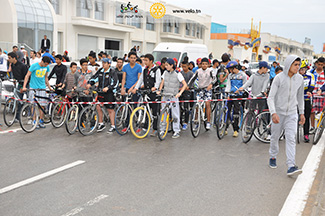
(141, 118)
(11, 106)
(88, 119)
(71, 122)
(320, 119)
(164, 117)
(222, 121)
(30, 115)
(198, 115)
(60, 111)
(122, 115)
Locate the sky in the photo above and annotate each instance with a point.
(295, 19)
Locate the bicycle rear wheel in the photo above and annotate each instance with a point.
(88, 121)
(248, 127)
(262, 130)
(29, 117)
(10, 112)
(71, 122)
(140, 122)
(221, 123)
(195, 121)
(121, 119)
(163, 124)
(319, 130)
(59, 114)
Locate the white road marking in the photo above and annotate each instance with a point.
(10, 131)
(41, 176)
(89, 203)
(297, 198)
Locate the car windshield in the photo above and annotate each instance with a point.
(158, 55)
(254, 66)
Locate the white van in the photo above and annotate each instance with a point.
(179, 51)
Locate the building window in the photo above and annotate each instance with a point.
(84, 7)
(176, 29)
(193, 29)
(99, 10)
(136, 20)
(168, 24)
(198, 30)
(56, 5)
(201, 32)
(150, 23)
(187, 28)
(118, 15)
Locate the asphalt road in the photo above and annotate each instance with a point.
(126, 176)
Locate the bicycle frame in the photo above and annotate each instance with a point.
(146, 108)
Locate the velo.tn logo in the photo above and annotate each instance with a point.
(129, 8)
(157, 10)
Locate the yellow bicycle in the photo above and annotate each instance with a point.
(319, 127)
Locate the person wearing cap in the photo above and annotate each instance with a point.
(259, 83)
(65, 56)
(199, 65)
(150, 79)
(236, 79)
(45, 43)
(285, 98)
(49, 55)
(107, 86)
(309, 85)
(171, 80)
(60, 70)
(206, 80)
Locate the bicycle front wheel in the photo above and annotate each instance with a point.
(10, 112)
(140, 122)
(59, 114)
(163, 124)
(195, 121)
(221, 123)
(247, 128)
(71, 122)
(121, 120)
(319, 130)
(88, 120)
(29, 117)
(262, 130)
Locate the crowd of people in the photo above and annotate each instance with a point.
(290, 90)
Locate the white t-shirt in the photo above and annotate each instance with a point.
(179, 77)
(36, 60)
(3, 62)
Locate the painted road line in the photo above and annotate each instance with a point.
(41, 176)
(297, 198)
(89, 203)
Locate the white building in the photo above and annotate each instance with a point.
(83, 25)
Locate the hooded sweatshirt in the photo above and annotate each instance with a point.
(258, 82)
(287, 94)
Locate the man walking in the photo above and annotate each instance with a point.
(287, 93)
(45, 44)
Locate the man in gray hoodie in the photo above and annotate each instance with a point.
(286, 96)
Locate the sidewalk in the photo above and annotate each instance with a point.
(316, 201)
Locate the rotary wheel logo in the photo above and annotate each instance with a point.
(157, 10)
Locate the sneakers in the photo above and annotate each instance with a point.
(226, 133)
(306, 138)
(176, 135)
(29, 122)
(111, 129)
(208, 127)
(312, 130)
(235, 134)
(268, 138)
(184, 127)
(272, 163)
(41, 124)
(153, 133)
(294, 171)
(101, 127)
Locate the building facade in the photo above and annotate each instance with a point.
(79, 26)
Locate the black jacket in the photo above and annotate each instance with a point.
(105, 79)
(60, 71)
(19, 71)
(48, 44)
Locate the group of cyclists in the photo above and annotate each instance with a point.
(229, 77)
